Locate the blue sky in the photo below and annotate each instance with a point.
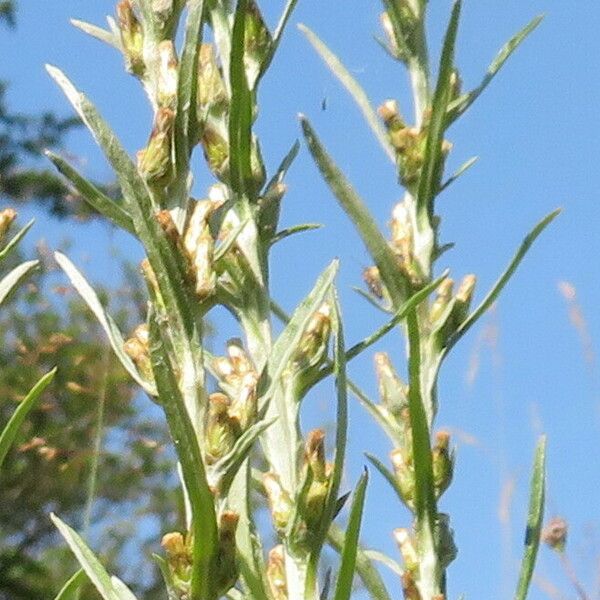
(535, 131)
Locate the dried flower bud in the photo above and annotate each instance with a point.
(199, 246)
(7, 218)
(155, 161)
(555, 534)
(165, 220)
(407, 548)
(390, 113)
(280, 502)
(137, 349)
(464, 296)
(168, 75)
(212, 95)
(315, 454)
(179, 557)
(227, 567)
(220, 432)
(244, 407)
(372, 278)
(132, 38)
(405, 475)
(239, 357)
(392, 390)
(216, 150)
(443, 462)
(276, 574)
(410, 591)
(444, 296)
(313, 344)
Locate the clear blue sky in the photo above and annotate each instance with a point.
(536, 132)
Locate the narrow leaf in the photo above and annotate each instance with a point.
(290, 231)
(70, 590)
(97, 32)
(460, 105)
(343, 586)
(534, 520)
(386, 473)
(15, 277)
(503, 280)
(460, 171)
(278, 35)
(354, 88)
(106, 321)
(10, 432)
(15, 240)
(240, 116)
(204, 524)
(92, 195)
(359, 214)
(91, 565)
(433, 165)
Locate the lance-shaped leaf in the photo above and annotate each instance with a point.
(461, 104)
(354, 88)
(70, 590)
(85, 290)
(92, 195)
(425, 502)
(355, 208)
(290, 231)
(534, 520)
(343, 586)
(278, 35)
(204, 521)
(433, 164)
(341, 435)
(13, 243)
(11, 430)
(106, 36)
(459, 172)
(240, 115)
(15, 277)
(386, 473)
(91, 565)
(503, 280)
(364, 567)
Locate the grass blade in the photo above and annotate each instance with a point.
(534, 520)
(204, 523)
(433, 166)
(70, 590)
(15, 240)
(343, 586)
(10, 432)
(357, 211)
(115, 337)
(460, 105)
(503, 280)
(354, 88)
(15, 277)
(90, 564)
(92, 195)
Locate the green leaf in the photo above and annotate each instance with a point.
(278, 35)
(503, 280)
(433, 165)
(185, 123)
(343, 586)
(385, 560)
(15, 240)
(103, 35)
(460, 105)
(10, 432)
(460, 171)
(240, 116)
(364, 566)
(354, 88)
(70, 590)
(106, 321)
(290, 231)
(91, 565)
(386, 473)
(204, 520)
(355, 208)
(534, 520)
(15, 277)
(92, 195)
